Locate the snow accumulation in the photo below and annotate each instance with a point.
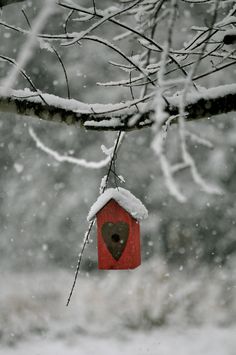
(207, 94)
(124, 198)
(110, 110)
(194, 341)
(228, 20)
(68, 104)
(113, 122)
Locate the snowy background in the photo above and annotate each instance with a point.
(182, 300)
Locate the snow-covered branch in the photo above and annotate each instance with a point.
(68, 159)
(9, 2)
(115, 117)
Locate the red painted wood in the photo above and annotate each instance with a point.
(131, 257)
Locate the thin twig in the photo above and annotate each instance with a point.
(91, 224)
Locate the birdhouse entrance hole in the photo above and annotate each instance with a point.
(116, 238)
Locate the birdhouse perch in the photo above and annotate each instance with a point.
(118, 213)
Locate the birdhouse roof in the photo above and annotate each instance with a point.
(124, 198)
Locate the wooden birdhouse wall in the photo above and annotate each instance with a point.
(130, 258)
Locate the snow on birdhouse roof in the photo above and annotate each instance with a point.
(124, 198)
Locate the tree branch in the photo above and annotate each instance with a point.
(208, 103)
(9, 2)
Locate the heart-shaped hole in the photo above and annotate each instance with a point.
(115, 236)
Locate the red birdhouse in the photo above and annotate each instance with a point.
(118, 214)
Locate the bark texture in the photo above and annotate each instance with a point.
(196, 108)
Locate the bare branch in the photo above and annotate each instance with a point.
(9, 2)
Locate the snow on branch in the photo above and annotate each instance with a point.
(68, 159)
(115, 117)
